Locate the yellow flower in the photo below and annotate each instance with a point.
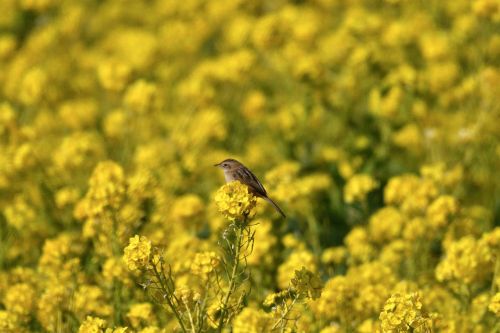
(32, 86)
(414, 229)
(252, 321)
(19, 299)
(24, 157)
(113, 75)
(107, 188)
(116, 330)
(140, 313)
(141, 185)
(7, 117)
(141, 97)
(358, 186)
(50, 306)
(8, 44)
(77, 150)
(486, 8)
(67, 196)
(403, 313)
(467, 260)
(37, 5)
(336, 298)
(440, 211)
(254, 105)
(494, 305)
(137, 253)
(19, 214)
(394, 252)
(234, 200)
(298, 258)
(8, 322)
(334, 255)
(399, 188)
(114, 268)
(204, 264)
(56, 258)
(116, 124)
(358, 245)
(187, 207)
(409, 137)
(152, 329)
(92, 325)
(90, 299)
(307, 283)
(387, 105)
(79, 113)
(386, 224)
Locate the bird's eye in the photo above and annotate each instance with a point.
(225, 165)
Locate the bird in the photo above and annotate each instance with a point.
(235, 170)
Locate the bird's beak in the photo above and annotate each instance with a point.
(217, 164)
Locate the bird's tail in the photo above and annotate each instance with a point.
(275, 206)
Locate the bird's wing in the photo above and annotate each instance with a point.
(249, 178)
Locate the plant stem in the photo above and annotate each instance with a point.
(234, 272)
(496, 273)
(201, 310)
(193, 329)
(166, 294)
(117, 290)
(282, 320)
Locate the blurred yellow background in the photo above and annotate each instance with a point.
(374, 125)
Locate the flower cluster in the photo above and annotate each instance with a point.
(357, 187)
(137, 253)
(403, 313)
(307, 283)
(204, 264)
(235, 201)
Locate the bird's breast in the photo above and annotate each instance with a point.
(230, 176)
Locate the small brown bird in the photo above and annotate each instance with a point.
(234, 170)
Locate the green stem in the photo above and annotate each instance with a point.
(167, 293)
(232, 278)
(115, 244)
(191, 321)
(496, 273)
(282, 320)
(201, 309)
(117, 290)
(314, 234)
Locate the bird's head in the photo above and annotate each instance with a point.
(228, 164)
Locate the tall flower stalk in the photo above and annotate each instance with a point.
(237, 242)
(222, 276)
(236, 204)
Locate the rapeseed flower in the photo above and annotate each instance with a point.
(252, 321)
(92, 325)
(234, 201)
(307, 283)
(137, 254)
(140, 313)
(375, 125)
(8, 322)
(403, 313)
(204, 264)
(494, 305)
(357, 187)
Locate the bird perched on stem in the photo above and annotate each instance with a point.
(234, 170)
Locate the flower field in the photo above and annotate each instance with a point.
(373, 124)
